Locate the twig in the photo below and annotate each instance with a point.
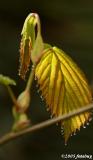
(13, 135)
(31, 77)
(13, 97)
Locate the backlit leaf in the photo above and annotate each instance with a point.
(31, 45)
(64, 87)
(26, 45)
(38, 48)
(25, 53)
(6, 80)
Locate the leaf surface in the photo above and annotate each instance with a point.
(64, 87)
(6, 80)
(26, 45)
(31, 45)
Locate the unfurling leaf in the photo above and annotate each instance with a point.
(31, 44)
(64, 87)
(38, 48)
(25, 52)
(26, 45)
(6, 80)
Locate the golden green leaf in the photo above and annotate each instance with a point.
(31, 45)
(6, 80)
(26, 45)
(25, 53)
(64, 87)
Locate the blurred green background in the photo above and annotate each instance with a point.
(69, 25)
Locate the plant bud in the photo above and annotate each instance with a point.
(21, 123)
(23, 101)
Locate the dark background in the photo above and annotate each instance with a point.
(69, 25)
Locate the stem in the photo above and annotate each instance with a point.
(28, 86)
(12, 96)
(31, 77)
(13, 135)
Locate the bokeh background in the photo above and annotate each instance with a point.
(69, 25)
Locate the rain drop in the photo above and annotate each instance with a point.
(84, 126)
(41, 98)
(65, 144)
(35, 78)
(51, 116)
(88, 123)
(62, 133)
(47, 109)
(33, 66)
(38, 91)
(90, 119)
(74, 134)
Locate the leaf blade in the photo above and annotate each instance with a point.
(65, 88)
(6, 80)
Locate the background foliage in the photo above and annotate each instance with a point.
(69, 25)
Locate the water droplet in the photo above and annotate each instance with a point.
(51, 116)
(74, 133)
(41, 98)
(90, 119)
(35, 78)
(38, 91)
(88, 123)
(62, 133)
(61, 128)
(84, 126)
(65, 144)
(47, 108)
(33, 66)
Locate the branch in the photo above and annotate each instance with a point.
(31, 77)
(13, 135)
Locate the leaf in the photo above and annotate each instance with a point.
(46, 46)
(64, 87)
(25, 53)
(6, 80)
(38, 48)
(26, 45)
(31, 45)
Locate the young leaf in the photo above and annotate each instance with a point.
(25, 49)
(38, 48)
(26, 45)
(31, 45)
(64, 87)
(6, 80)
